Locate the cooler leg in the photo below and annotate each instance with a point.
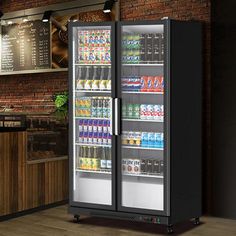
(76, 218)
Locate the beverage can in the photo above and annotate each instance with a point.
(156, 167)
(81, 137)
(143, 111)
(85, 137)
(131, 138)
(130, 166)
(150, 166)
(136, 108)
(100, 137)
(151, 139)
(143, 166)
(136, 168)
(130, 110)
(90, 137)
(104, 138)
(81, 125)
(95, 137)
(90, 125)
(144, 139)
(85, 125)
(109, 139)
(124, 166)
(150, 114)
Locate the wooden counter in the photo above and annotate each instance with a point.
(25, 185)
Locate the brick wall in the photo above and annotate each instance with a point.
(34, 92)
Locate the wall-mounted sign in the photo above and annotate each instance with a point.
(25, 46)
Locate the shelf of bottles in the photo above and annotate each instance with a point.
(92, 91)
(142, 86)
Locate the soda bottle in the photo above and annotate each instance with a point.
(99, 107)
(103, 81)
(96, 161)
(89, 159)
(105, 108)
(108, 154)
(109, 79)
(81, 157)
(95, 81)
(94, 107)
(95, 131)
(88, 80)
(103, 161)
(80, 80)
(85, 159)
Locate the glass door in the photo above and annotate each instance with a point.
(143, 117)
(92, 115)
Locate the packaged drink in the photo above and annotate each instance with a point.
(151, 139)
(109, 127)
(144, 83)
(136, 56)
(109, 161)
(130, 166)
(161, 167)
(131, 138)
(94, 107)
(81, 125)
(149, 55)
(95, 135)
(89, 159)
(144, 139)
(85, 137)
(150, 82)
(103, 161)
(149, 113)
(81, 137)
(158, 141)
(124, 166)
(129, 42)
(81, 157)
(130, 111)
(162, 140)
(88, 79)
(124, 56)
(103, 80)
(124, 115)
(104, 138)
(136, 169)
(90, 125)
(100, 134)
(150, 166)
(137, 138)
(90, 137)
(143, 111)
(107, 56)
(85, 157)
(156, 167)
(109, 139)
(125, 138)
(105, 108)
(136, 108)
(95, 80)
(85, 125)
(143, 166)
(96, 161)
(99, 107)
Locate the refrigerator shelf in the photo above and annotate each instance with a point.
(92, 144)
(144, 175)
(137, 92)
(142, 64)
(78, 64)
(94, 171)
(139, 120)
(92, 91)
(143, 148)
(92, 118)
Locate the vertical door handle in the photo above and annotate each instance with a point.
(117, 103)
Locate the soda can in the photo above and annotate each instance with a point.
(143, 166)
(156, 167)
(81, 125)
(150, 166)
(81, 137)
(136, 168)
(85, 137)
(130, 110)
(144, 139)
(130, 166)
(143, 111)
(90, 125)
(90, 137)
(136, 108)
(151, 139)
(149, 113)
(124, 166)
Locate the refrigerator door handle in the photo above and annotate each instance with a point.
(117, 115)
(111, 117)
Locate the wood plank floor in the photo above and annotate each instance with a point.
(57, 222)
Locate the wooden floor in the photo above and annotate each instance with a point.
(56, 222)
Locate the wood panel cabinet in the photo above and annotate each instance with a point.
(26, 185)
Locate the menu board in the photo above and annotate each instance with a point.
(25, 46)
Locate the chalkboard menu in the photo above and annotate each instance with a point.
(25, 46)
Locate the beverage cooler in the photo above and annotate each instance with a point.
(135, 120)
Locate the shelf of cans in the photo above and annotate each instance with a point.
(143, 83)
(143, 140)
(93, 132)
(93, 107)
(143, 167)
(94, 159)
(143, 112)
(93, 78)
(94, 47)
(142, 48)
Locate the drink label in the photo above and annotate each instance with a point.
(95, 137)
(149, 113)
(81, 137)
(100, 137)
(144, 139)
(136, 168)
(86, 137)
(151, 139)
(124, 166)
(80, 125)
(90, 137)
(130, 165)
